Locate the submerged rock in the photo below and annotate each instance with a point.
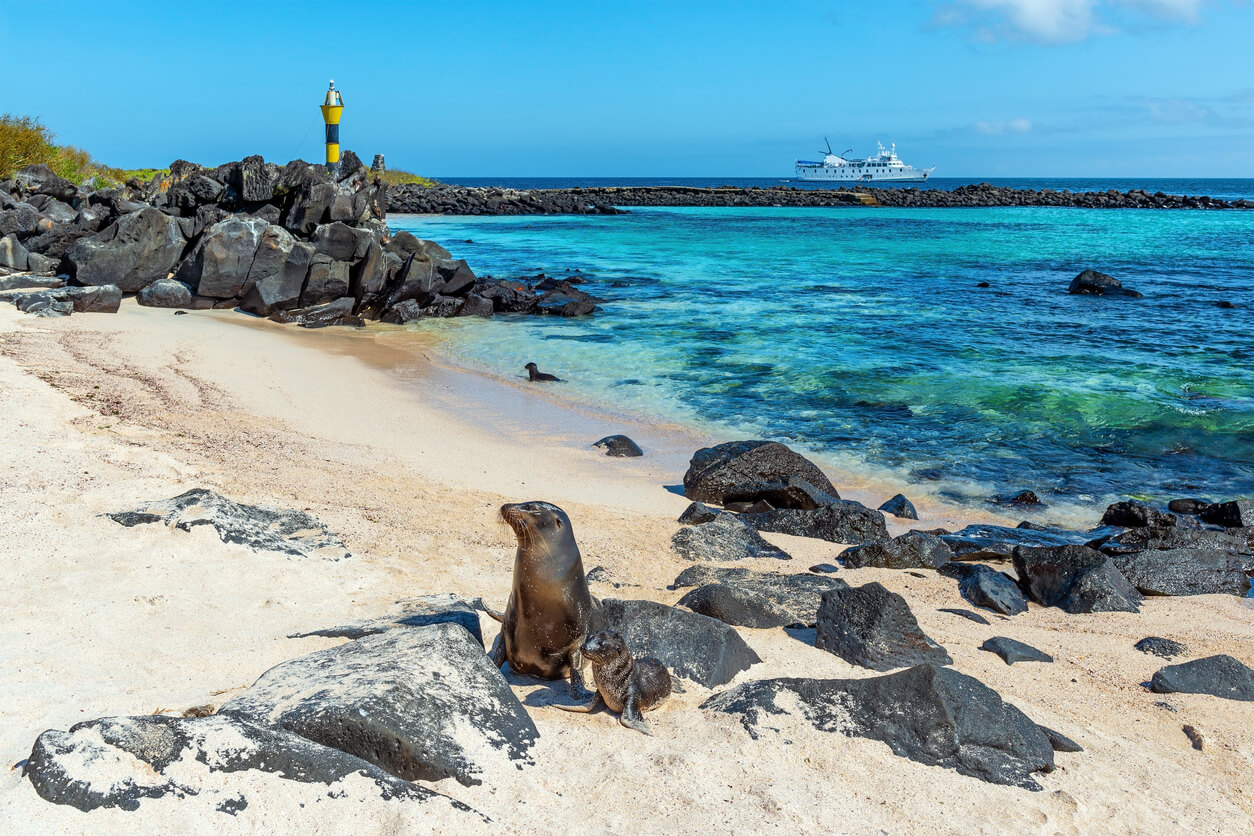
(757, 599)
(726, 537)
(928, 714)
(690, 645)
(1219, 676)
(900, 507)
(715, 470)
(1093, 283)
(424, 703)
(258, 527)
(122, 761)
(873, 627)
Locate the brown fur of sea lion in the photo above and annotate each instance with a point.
(627, 685)
(550, 610)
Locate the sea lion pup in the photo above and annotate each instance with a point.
(628, 686)
(550, 611)
(534, 374)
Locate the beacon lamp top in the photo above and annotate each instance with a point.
(332, 106)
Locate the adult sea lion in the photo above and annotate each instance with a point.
(535, 375)
(626, 685)
(550, 610)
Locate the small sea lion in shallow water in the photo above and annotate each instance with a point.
(534, 374)
(550, 610)
(626, 685)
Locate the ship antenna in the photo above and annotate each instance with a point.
(829, 145)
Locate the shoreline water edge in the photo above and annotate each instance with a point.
(279, 550)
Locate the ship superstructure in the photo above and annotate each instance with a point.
(885, 165)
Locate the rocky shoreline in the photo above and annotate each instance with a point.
(465, 200)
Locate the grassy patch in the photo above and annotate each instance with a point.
(396, 177)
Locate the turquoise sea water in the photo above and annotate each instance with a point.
(861, 333)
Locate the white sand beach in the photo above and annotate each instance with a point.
(408, 461)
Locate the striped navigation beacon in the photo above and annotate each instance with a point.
(331, 110)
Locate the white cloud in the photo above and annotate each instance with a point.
(1012, 126)
(1057, 21)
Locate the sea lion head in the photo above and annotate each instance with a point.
(603, 646)
(531, 367)
(542, 528)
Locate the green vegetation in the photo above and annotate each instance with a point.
(396, 177)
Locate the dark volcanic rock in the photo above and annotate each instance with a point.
(277, 286)
(736, 606)
(267, 529)
(984, 586)
(219, 263)
(1232, 542)
(1166, 648)
(1022, 498)
(1074, 578)
(1183, 572)
(1238, 513)
(1136, 514)
(419, 611)
(134, 251)
(900, 507)
(693, 646)
(726, 537)
(165, 293)
(339, 312)
(912, 550)
(1220, 676)
(967, 614)
(424, 703)
(1187, 506)
(844, 522)
(136, 754)
(1093, 283)
(932, 715)
(1059, 742)
(29, 282)
(715, 470)
(874, 628)
(996, 542)
(103, 299)
(619, 446)
(793, 492)
(1012, 651)
(698, 513)
(788, 600)
(12, 254)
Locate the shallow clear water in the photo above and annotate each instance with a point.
(861, 333)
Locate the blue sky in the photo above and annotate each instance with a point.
(1118, 88)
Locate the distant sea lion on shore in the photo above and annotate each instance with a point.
(626, 685)
(535, 375)
(550, 610)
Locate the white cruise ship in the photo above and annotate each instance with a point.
(884, 166)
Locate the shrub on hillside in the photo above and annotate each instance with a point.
(23, 141)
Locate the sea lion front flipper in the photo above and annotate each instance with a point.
(498, 649)
(632, 718)
(586, 708)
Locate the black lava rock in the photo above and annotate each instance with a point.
(900, 507)
(874, 628)
(1136, 514)
(1220, 676)
(619, 446)
(843, 522)
(912, 550)
(984, 586)
(693, 646)
(1074, 578)
(715, 470)
(1012, 651)
(787, 600)
(726, 537)
(1166, 648)
(1093, 283)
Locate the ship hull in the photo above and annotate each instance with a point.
(849, 174)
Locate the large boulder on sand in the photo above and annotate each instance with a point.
(1220, 676)
(928, 714)
(156, 756)
(726, 537)
(218, 266)
(843, 522)
(104, 299)
(873, 627)
(1183, 572)
(165, 293)
(133, 251)
(278, 273)
(1075, 578)
(746, 598)
(690, 645)
(713, 471)
(423, 703)
(984, 586)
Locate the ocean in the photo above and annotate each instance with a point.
(861, 334)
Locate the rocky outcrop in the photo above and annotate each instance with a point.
(715, 471)
(726, 537)
(64, 301)
(746, 598)
(339, 312)
(1219, 676)
(928, 714)
(912, 550)
(1074, 578)
(690, 645)
(423, 704)
(294, 533)
(873, 627)
(123, 761)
